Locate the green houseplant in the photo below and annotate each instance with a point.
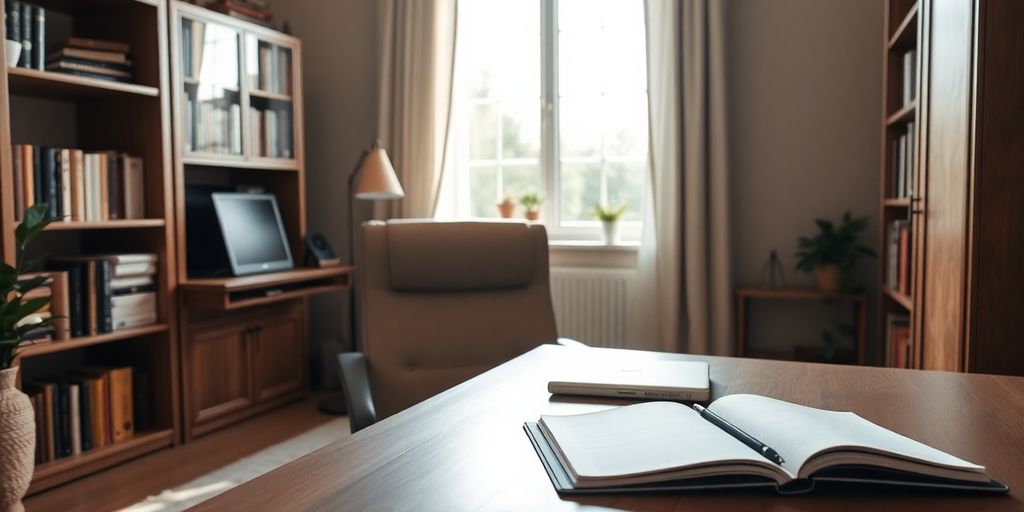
(18, 316)
(832, 256)
(531, 202)
(609, 217)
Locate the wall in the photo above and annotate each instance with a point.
(340, 75)
(804, 101)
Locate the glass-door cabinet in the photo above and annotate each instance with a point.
(236, 90)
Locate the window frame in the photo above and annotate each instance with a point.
(549, 160)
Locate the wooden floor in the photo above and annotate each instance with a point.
(133, 481)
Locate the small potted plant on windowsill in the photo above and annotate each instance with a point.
(531, 202)
(507, 208)
(609, 217)
(18, 316)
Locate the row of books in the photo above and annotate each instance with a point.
(897, 335)
(255, 11)
(110, 292)
(898, 264)
(272, 132)
(904, 159)
(78, 185)
(26, 23)
(274, 69)
(92, 58)
(213, 128)
(87, 409)
(909, 78)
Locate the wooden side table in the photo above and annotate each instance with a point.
(745, 293)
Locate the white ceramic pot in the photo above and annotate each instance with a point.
(611, 232)
(13, 52)
(17, 442)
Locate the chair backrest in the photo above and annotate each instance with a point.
(446, 301)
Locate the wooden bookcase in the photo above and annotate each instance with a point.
(244, 347)
(52, 109)
(965, 249)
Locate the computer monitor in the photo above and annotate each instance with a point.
(253, 233)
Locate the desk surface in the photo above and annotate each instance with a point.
(465, 448)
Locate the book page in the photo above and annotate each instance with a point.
(642, 439)
(798, 433)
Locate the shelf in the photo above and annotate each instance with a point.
(906, 31)
(270, 95)
(754, 292)
(49, 347)
(33, 82)
(236, 162)
(107, 224)
(896, 202)
(62, 470)
(903, 115)
(230, 293)
(901, 299)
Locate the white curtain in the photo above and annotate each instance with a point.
(417, 56)
(682, 298)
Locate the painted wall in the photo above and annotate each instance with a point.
(804, 119)
(339, 40)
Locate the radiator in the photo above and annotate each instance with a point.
(591, 304)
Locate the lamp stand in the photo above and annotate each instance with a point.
(335, 405)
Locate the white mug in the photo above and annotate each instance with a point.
(13, 49)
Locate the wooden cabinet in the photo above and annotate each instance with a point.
(240, 364)
(968, 195)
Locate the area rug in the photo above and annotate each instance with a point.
(243, 470)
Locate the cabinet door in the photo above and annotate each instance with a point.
(279, 355)
(219, 378)
(211, 105)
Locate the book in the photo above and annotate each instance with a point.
(74, 419)
(38, 170)
(95, 44)
(13, 20)
(49, 408)
(62, 419)
(115, 186)
(28, 174)
(904, 258)
(134, 310)
(97, 55)
(121, 414)
(38, 37)
(66, 65)
(25, 60)
(134, 187)
(48, 172)
(64, 179)
(660, 446)
(84, 413)
(19, 184)
(77, 185)
(104, 295)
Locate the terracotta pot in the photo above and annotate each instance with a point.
(532, 215)
(827, 277)
(507, 210)
(17, 442)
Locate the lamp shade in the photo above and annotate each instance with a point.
(377, 178)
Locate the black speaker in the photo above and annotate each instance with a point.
(319, 252)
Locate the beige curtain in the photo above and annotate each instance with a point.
(417, 55)
(682, 298)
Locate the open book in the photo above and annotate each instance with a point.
(658, 446)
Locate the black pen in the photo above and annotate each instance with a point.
(744, 437)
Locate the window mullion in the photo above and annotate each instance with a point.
(549, 109)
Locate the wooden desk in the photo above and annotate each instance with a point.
(465, 449)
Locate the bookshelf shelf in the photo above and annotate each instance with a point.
(896, 202)
(906, 33)
(49, 347)
(899, 298)
(47, 84)
(55, 473)
(263, 164)
(903, 115)
(110, 224)
(270, 95)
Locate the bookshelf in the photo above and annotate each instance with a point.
(48, 108)
(952, 186)
(237, 110)
(900, 157)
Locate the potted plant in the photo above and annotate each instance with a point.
(609, 218)
(18, 316)
(531, 202)
(507, 208)
(833, 253)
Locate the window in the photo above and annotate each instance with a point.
(549, 97)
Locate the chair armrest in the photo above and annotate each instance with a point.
(569, 342)
(356, 382)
